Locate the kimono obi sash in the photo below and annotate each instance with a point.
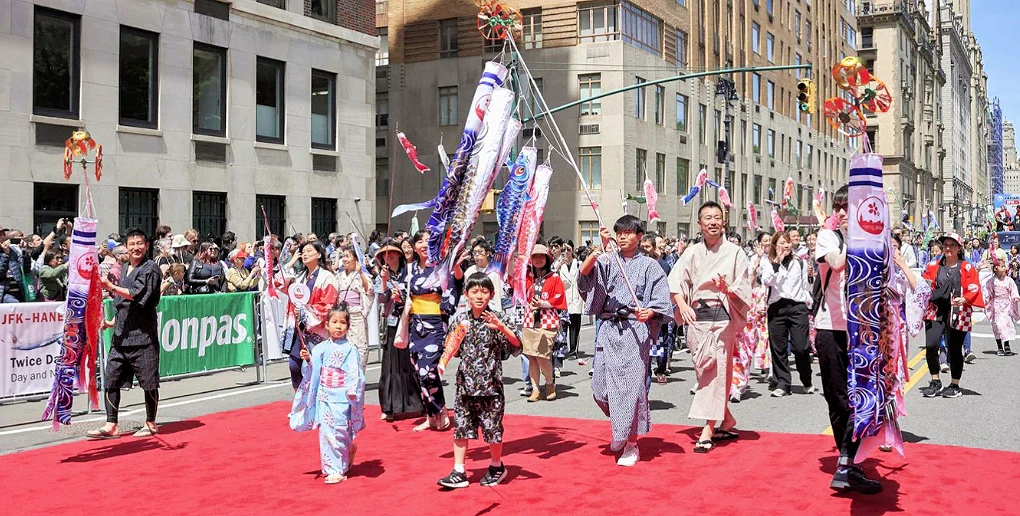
(351, 297)
(426, 304)
(332, 378)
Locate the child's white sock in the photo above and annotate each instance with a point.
(459, 468)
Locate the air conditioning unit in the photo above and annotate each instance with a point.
(683, 138)
(589, 129)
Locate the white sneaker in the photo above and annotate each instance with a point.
(944, 368)
(778, 393)
(616, 446)
(810, 390)
(694, 390)
(970, 358)
(630, 456)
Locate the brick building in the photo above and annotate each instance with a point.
(433, 55)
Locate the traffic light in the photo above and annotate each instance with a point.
(806, 96)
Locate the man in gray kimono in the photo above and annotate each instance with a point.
(712, 292)
(625, 332)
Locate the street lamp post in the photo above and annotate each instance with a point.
(728, 90)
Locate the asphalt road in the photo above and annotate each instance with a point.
(985, 417)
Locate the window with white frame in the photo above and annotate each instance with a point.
(756, 138)
(588, 233)
(756, 38)
(448, 38)
(590, 85)
(642, 29)
(597, 21)
(770, 92)
(771, 143)
(681, 112)
(590, 159)
(639, 109)
(382, 56)
(660, 105)
(448, 105)
(532, 29)
(756, 88)
(770, 46)
(681, 49)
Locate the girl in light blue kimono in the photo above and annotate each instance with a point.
(331, 396)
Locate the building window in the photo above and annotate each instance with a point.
(323, 110)
(490, 46)
(770, 46)
(770, 92)
(681, 49)
(589, 233)
(797, 61)
(702, 122)
(382, 57)
(681, 112)
(535, 90)
(323, 216)
(682, 166)
(639, 107)
(139, 77)
(56, 63)
(807, 34)
(771, 143)
(448, 38)
(52, 202)
(717, 126)
(849, 34)
(382, 177)
(323, 9)
(660, 105)
(139, 208)
(756, 88)
(209, 214)
(532, 27)
(660, 172)
(591, 166)
(683, 229)
(269, 107)
(448, 105)
(276, 208)
(768, 7)
(590, 85)
(382, 110)
(757, 189)
(282, 4)
(756, 138)
(642, 29)
(209, 95)
(755, 38)
(772, 189)
(640, 169)
(810, 154)
(597, 22)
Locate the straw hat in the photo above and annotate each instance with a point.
(388, 248)
(180, 241)
(541, 249)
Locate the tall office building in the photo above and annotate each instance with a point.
(205, 110)
(900, 44)
(667, 132)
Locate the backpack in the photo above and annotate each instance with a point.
(818, 288)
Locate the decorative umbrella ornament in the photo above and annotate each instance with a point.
(497, 22)
(845, 117)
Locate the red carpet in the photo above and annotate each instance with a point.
(250, 462)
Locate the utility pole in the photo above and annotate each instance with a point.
(728, 90)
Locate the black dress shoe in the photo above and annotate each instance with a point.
(852, 479)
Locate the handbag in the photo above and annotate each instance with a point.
(403, 337)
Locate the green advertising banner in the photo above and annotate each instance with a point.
(202, 332)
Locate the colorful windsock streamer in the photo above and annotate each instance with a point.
(76, 365)
(412, 153)
(531, 221)
(508, 210)
(653, 198)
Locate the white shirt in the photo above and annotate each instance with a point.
(832, 314)
(787, 281)
(568, 273)
(909, 256)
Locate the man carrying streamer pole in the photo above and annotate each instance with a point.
(623, 339)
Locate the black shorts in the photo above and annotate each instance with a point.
(123, 364)
(471, 412)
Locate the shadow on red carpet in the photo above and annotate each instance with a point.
(249, 462)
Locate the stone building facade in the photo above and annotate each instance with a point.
(206, 111)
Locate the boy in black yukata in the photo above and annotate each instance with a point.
(480, 399)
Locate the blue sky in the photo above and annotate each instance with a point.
(995, 23)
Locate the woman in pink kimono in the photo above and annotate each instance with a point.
(1003, 303)
(754, 336)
